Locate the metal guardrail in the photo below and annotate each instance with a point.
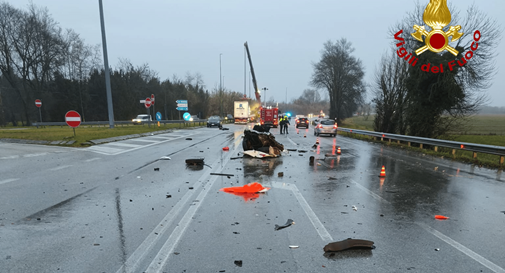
(182, 122)
(454, 145)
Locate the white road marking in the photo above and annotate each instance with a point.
(33, 155)
(321, 230)
(92, 159)
(60, 168)
(478, 258)
(124, 144)
(133, 262)
(10, 157)
(143, 140)
(8, 180)
(167, 249)
(105, 150)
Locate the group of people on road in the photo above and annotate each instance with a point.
(283, 123)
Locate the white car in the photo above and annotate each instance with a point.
(141, 119)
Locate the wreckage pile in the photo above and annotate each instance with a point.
(259, 139)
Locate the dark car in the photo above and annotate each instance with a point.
(214, 121)
(302, 122)
(326, 126)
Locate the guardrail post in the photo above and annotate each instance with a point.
(421, 146)
(474, 154)
(389, 141)
(436, 148)
(409, 143)
(453, 152)
(398, 142)
(502, 159)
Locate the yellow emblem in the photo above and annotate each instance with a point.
(437, 16)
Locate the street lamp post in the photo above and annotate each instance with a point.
(265, 92)
(220, 88)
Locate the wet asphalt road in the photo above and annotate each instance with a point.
(106, 209)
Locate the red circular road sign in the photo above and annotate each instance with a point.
(147, 103)
(72, 118)
(38, 103)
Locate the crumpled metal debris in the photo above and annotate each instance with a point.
(288, 223)
(261, 141)
(348, 244)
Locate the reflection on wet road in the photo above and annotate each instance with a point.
(132, 212)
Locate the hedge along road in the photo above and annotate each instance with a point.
(115, 213)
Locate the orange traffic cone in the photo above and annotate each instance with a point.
(317, 140)
(339, 151)
(441, 217)
(383, 172)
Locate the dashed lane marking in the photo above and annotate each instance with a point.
(8, 180)
(124, 144)
(92, 159)
(60, 168)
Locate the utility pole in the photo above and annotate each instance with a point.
(107, 73)
(220, 88)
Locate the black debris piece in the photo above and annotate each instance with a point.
(343, 212)
(177, 253)
(238, 263)
(300, 154)
(189, 138)
(156, 169)
(311, 160)
(195, 161)
(190, 188)
(169, 196)
(235, 232)
(503, 211)
(392, 191)
(288, 223)
(292, 150)
(222, 174)
(348, 244)
(280, 174)
(332, 178)
(302, 151)
(238, 157)
(225, 128)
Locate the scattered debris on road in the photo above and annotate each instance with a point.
(348, 244)
(292, 247)
(253, 187)
(441, 217)
(292, 150)
(437, 249)
(165, 158)
(288, 223)
(222, 174)
(226, 148)
(238, 263)
(195, 161)
(332, 178)
(354, 208)
(259, 140)
(156, 169)
(280, 174)
(189, 138)
(258, 154)
(503, 211)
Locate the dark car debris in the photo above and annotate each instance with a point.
(288, 223)
(348, 244)
(261, 143)
(195, 161)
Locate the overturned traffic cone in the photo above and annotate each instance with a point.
(383, 172)
(339, 151)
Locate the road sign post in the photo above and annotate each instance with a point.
(38, 103)
(73, 119)
(147, 104)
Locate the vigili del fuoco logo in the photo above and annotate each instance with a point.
(436, 15)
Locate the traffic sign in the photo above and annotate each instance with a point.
(182, 105)
(186, 116)
(182, 108)
(72, 118)
(152, 99)
(182, 101)
(158, 116)
(38, 103)
(147, 103)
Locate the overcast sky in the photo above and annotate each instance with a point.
(284, 37)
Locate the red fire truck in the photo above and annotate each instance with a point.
(269, 116)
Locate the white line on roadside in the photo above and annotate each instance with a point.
(60, 168)
(10, 157)
(8, 180)
(321, 230)
(33, 155)
(133, 262)
(485, 262)
(92, 159)
(167, 249)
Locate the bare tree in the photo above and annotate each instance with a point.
(341, 74)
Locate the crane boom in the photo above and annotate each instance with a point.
(256, 90)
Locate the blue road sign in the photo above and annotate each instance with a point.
(182, 108)
(182, 101)
(186, 116)
(158, 116)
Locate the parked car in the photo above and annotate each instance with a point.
(229, 117)
(214, 121)
(326, 126)
(302, 122)
(141, 119)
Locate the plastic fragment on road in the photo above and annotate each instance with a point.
(292, 247)
(165, 158)
(354, 208)
(226, 148)
(383, 172)
(156, 169)
(280, 174)
(348, 244)
(288, 223)
(441, 217)
(238, 263)
(258, 154)
(222, 174)
(253, 187)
